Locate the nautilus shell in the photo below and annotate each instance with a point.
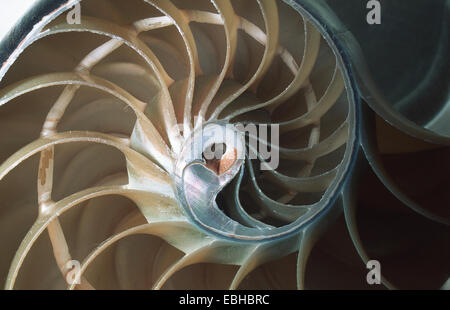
(210, 144)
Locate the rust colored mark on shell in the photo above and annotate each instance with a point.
(47, 156)
(220, 166)
(227, 161)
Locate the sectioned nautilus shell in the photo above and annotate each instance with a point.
(106, 124)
